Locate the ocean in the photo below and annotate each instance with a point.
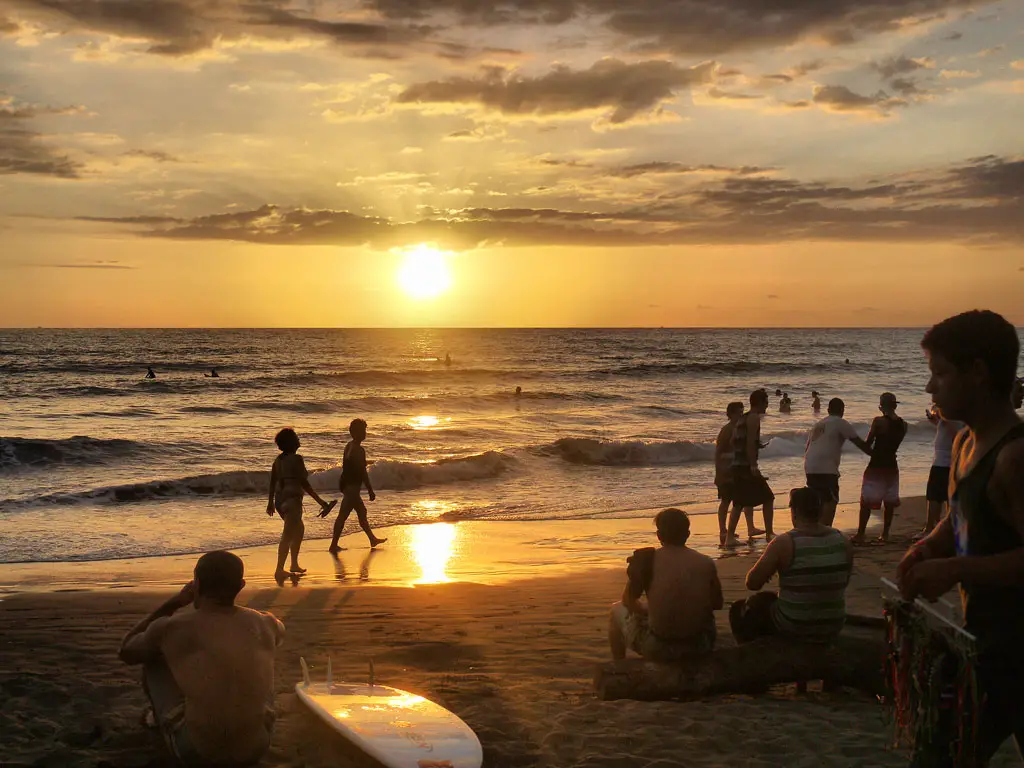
(97, 462)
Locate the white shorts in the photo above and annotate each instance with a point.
(881, 486)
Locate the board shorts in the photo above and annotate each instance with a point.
(168, 704)
(638, 636)
(881, 485)
(288, 504)
(725, 491)
(827, 486)
(938, 484)
(750, 490)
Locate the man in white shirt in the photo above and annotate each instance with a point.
(937, 490)
(823, 453)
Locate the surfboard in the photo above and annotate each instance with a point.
(396, 728)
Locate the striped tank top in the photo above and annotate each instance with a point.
(812, 591)
(739, 443)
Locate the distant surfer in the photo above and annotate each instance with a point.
(288, 480)
(353, 477)
(212, 374)
(150, 374)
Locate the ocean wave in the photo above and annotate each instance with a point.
(624, 453)
(403, 475)
(33, 452)
(722, 367)
(204, 409)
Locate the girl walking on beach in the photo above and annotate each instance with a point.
(288, 481)
(353, 477)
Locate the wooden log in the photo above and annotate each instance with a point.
(854, 660)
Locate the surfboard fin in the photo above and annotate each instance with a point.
(305, 671)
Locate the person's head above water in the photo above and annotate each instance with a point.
(519, 390)
(357, 429)
(287, 441)
(778, 393)
(759, 400)
(836, 407)
(219, 577)
(734, 410)
(673, 527)
(805, 505)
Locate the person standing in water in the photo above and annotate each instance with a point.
(815, 402)
(823, 454)
(353, 477)
(881, 485)
(150, 374)
(785, 404)
(750, 488)
(723, 477)
(448, 359)
(288, 480)
(212, 374)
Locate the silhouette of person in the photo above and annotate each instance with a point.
(212, 374)
(816, 402)
(150, 374)
(519, 391)
(448, 359)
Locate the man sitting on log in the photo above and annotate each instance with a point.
(813, 562)
(683, 593)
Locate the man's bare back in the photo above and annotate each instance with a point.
(223, 660)
(683, 594)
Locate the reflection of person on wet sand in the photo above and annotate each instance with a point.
(353, 477)
(288, 481)
(150, 374)
(364, 567)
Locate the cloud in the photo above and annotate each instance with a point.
(93, 265)
(670, 167)
(717, 93)
(627, 91)
(978, 201)
(24, 150)
(152, 154)
(958, 74)
(1018, 64)
(692, 27)
(839, 98)
(773, 296)
(901, 65)
(953, 36)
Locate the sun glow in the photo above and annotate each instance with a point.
(424, 272)
(433, 545)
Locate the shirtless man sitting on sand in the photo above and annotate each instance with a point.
(683, 593)
(209, 673)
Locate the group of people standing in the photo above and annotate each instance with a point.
(667, 608)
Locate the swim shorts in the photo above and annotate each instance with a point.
(639, 638)
(881, 486)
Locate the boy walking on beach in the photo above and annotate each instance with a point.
(980, 543)
(353, 477)
(723, 477)
(750, 488)
(881, 485)
(683, 592)
(209, 673)
(288, 480)
(824, 452)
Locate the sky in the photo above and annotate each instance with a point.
(179, 163)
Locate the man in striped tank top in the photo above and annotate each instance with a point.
(813, 562)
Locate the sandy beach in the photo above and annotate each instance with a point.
(513, 657)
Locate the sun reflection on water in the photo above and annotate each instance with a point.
(427, 422)
(432, 546)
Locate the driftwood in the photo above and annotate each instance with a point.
(854, 660)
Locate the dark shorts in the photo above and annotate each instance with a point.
(725, 492)
(826, 485)
(750, 490)
(752, 618)
(938, 484)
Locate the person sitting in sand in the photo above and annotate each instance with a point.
(813, 562)
(824, 452)
(723, 478)
(353, 477)
(288, 480)
(150, 374)
(683, 592)
(881, 485)
(209, 673)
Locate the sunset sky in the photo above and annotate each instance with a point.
(533, 162)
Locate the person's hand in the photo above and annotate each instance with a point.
(913, 556)
(373, 496)
(930, 579)
(270, 508)
(187, 594)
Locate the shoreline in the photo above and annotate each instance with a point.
(429, 553)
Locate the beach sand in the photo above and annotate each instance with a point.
(514, 658)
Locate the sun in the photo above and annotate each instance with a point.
(424, 272)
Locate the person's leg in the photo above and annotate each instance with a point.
(934, 513)
(364, 523)
(734, 521)
(769, 519)
(298, 532)
(723, 514)
(344, 510)
(752, 531)
(168, 703)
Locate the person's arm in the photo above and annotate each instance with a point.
(767, 565)
(870, 441)
(632, 600)
(309, 488)
(273, 485)
(720, 446)
(861, 444)
(366, 474)
(142, 643)
(902, 433)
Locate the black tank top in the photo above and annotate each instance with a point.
(883, 452)
(994, 614)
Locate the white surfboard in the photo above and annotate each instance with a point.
(397, 728)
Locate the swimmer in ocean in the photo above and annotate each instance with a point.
(212, 374)
(150, 374)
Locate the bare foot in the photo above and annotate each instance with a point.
(296, 569)
(731, 541)
(857, 538)
(769, 536)
(753, 533)
(334, 549)
(883, 539)
(377, 543)
(280, 576)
